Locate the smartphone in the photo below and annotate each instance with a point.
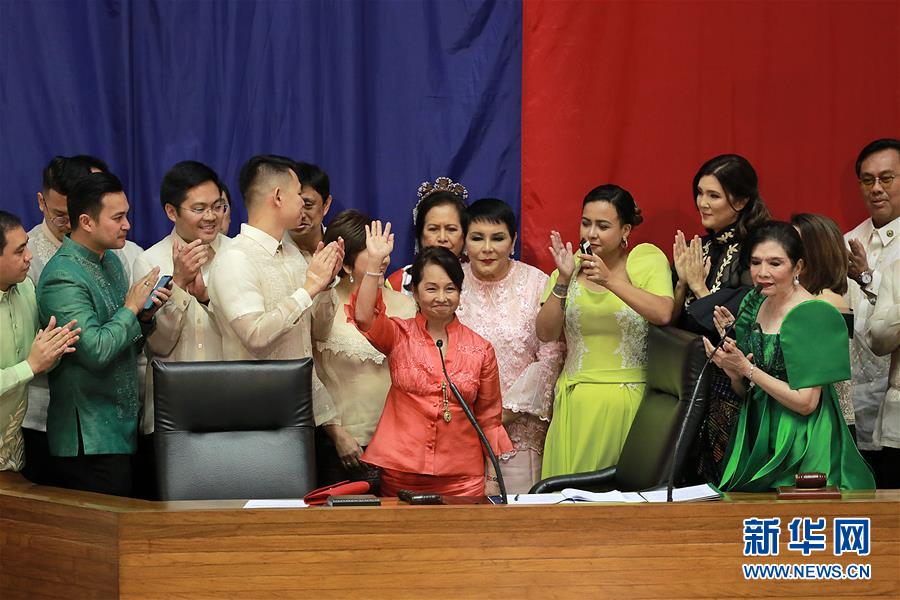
(585, 247)
(163, 282)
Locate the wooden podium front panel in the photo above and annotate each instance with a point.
(635, 551)
(218, 550)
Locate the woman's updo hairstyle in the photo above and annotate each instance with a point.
(443, 191)
(779, 232)
(620, 198)
(350, 225)
(738, 178)
(440, 256)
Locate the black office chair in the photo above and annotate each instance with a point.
(674, 360)
(234, 429)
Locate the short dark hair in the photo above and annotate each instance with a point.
(262, 165)
(350, 225)
(620, 198)
(825, 267)
(313, 176)
(781, 233)
(738, 178)
(440, 256)
(183, 177)
(434, 200)
(873, 147)
(62, 172)
(8, 222)
(86, 196)
(493, 210)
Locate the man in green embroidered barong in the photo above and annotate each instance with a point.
(94, 405)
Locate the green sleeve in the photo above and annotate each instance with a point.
(99, 343)
(746, 317)
(815, 345)
(549, 287)
(648, 268)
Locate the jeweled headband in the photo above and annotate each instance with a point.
(441, 184)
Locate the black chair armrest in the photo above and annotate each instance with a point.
(603, 480)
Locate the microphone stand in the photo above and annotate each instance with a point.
(679, 441)
(478, 430)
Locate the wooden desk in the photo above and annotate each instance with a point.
(61, 544)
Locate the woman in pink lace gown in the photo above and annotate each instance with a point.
(500, 301)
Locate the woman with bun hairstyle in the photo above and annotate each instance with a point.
(601, 303)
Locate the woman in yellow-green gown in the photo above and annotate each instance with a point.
(600, 304)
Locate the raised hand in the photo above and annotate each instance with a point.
(679, 256)
(563, 257)
(50, 344)
(379, 241)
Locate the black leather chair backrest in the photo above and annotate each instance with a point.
(234, 429)
(674, 361)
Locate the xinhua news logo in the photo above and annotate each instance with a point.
(808, 536)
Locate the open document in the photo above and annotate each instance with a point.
(686, 494)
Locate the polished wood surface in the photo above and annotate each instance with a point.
(62, 544)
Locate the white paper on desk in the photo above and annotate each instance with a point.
(283, 503)
(685, 494)
(536, 499)
(585, 496)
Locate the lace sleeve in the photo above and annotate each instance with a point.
(532, 392)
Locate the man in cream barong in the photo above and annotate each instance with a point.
(267, 302)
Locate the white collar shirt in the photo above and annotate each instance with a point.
(870, 372)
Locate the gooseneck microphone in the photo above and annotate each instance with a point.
(729, 331)
(471, 417)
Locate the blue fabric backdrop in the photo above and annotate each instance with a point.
(383, 94)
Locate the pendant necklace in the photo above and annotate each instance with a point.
(446, 402)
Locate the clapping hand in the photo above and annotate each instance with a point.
(325, 264)
(563, 256)
(188, 259)
(690, 265)
(858, 261)
(722, 319)
(729, 358)
(50, 344)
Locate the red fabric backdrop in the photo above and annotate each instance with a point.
(640, 93)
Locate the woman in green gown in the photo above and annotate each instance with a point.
(600, 304)
(789, 352)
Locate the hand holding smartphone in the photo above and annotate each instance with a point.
(585, 247)
(163, 282)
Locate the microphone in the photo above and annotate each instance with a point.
(474, 422)
(679, 441)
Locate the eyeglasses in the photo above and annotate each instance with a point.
(217, 207)
(60, 221)
(886, 180)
